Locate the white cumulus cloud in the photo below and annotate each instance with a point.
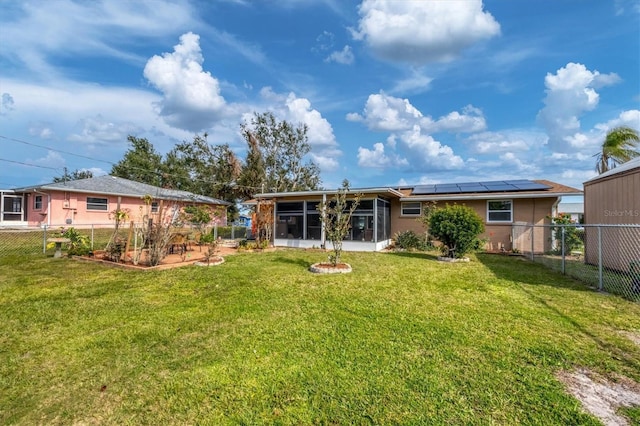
(387, 113)
(344, 56)
(324, 147)
(191, 96)
(7, 103)
(571, 92)
(98, 129)
(320, 131)
(41, 129)
(383, 112)
(377, 158)
(471, 120)
(421, 32)
(428, 152)
(506, 141)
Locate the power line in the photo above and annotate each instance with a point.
(54, 150)
(30, 165)
(130, 168)
(135, 169)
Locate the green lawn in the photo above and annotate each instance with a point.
(259, 340)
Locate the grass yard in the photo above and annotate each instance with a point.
(259, 340)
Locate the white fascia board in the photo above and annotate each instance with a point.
(329, 192)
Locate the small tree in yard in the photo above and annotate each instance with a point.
(427, 210)
(457, 228)
(263, 223)
(336, 217)
(573, 237)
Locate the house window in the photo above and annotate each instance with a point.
(101, 204)
(362, 222)
(314, 224)
(499, 211)
(37, 202)
(12, 208)
(412, 209)
(154, 207)
(290, 220)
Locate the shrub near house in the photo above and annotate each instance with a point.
(457, 227)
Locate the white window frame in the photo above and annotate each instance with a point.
(489, 211)
(91, 206)
(37, 202)
(404, 205)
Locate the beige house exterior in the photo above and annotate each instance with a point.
(383, 212)
(613, 198)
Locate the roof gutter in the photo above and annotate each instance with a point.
(329, 192)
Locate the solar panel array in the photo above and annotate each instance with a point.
(493, 186)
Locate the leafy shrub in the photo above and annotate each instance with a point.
(206, 238)
(409, 240)
(573, 236)
(457, 227)
(78, 243)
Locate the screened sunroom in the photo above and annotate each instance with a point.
(297, 220)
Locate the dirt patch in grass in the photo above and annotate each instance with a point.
(600, 396)
(170, 261)
(633, 336)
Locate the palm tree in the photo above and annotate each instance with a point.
(619, 146)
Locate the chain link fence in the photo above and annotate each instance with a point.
(35, 241)
(606, 257)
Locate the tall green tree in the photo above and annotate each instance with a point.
(619, 146)
(284, 149)
(75, 175)
(205, 169)
(140, 163)
(253, 174)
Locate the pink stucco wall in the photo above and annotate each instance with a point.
(70, 208)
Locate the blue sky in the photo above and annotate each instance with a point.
(394, 92)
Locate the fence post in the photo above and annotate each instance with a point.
(562, 248)
(232, 232)
(600, 283)
(533, 233)
(44, 239)
(92, 236)
(215, 231)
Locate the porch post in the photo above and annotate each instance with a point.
(322, 233)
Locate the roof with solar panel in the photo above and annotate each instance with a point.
(519, 188)
(480, 187)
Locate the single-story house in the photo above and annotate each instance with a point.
(613, 198)
(91, 202)
(575, 210)
(385, 211)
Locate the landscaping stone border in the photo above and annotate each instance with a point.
(327, 268)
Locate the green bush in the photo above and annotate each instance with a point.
(78, 243)
(457, 227)
(573, 236)
(206, 238)
(409, 240)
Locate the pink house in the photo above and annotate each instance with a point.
(91, 202)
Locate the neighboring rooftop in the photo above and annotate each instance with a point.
(112, 185)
